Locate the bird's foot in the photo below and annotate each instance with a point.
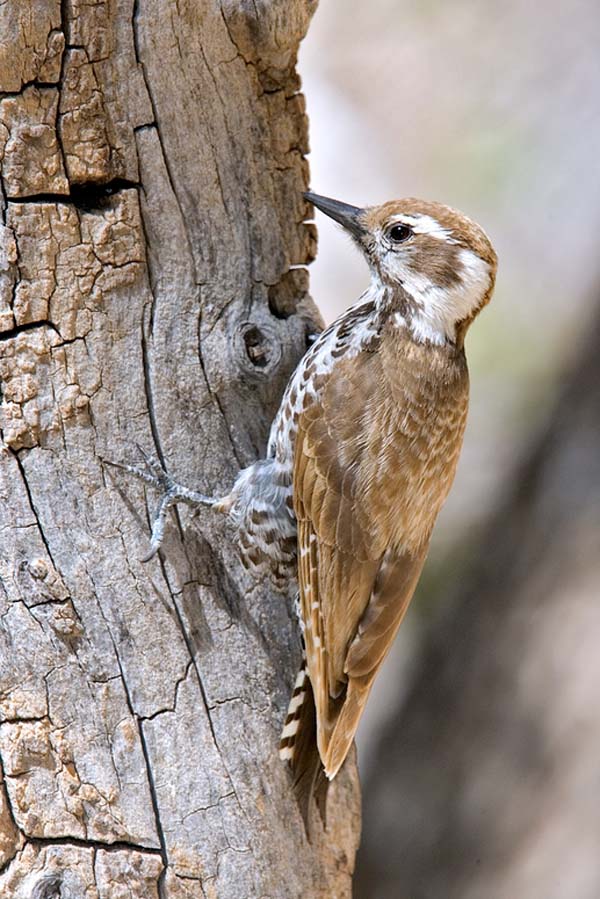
(155, 475)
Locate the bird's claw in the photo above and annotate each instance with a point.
(155, 475)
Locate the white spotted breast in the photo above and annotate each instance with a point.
(352, 332)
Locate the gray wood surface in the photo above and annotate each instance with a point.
(152, 292)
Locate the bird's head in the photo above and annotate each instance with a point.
(439, 263)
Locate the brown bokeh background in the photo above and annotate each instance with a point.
(495, 109)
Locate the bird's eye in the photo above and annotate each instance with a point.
(398, 233)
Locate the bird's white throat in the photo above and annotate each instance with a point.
(438, 310)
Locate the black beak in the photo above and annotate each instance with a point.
(348, 216)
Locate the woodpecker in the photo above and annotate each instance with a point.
(361, 456)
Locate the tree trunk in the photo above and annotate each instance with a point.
(486, 781)
(151, 293)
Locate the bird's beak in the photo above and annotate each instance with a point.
(348, 216)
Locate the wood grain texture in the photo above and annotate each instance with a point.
(152, 228)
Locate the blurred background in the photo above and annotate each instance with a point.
(480, 749)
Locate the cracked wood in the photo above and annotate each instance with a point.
(151, 232)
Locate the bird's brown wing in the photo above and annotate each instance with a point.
(350, 459)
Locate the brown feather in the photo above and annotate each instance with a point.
(375, 456)
(307, 768)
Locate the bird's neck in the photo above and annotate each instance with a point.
(431, 313)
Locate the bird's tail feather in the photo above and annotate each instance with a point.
(299, 747)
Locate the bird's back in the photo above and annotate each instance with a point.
(375, 456)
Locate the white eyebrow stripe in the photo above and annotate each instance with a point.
(425, 224)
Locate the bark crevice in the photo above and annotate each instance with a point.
(148, 296)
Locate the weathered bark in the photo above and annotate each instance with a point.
(151, 292)
(485, 783)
